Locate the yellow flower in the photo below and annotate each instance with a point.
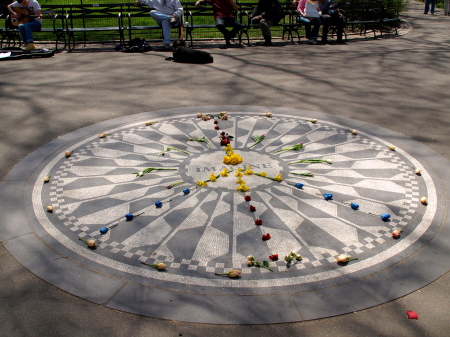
(235, 159)
(212, 177)
(263, 174)
(227, 160)
(239, 181)
(201, 183)
(248, 171)
(228, 148)
(278, 177)
(242, 188)
(224, 172)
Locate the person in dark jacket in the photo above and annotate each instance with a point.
(267, 14)
(331, 16)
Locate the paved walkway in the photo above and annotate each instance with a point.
(394, 83)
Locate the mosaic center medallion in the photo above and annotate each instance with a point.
(198, 231)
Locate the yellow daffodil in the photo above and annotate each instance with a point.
(201, 183)
(278, 177)
(212, 177)
(224, 172)
(242, 188)
(248, 171)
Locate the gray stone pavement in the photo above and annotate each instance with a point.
(397, 83)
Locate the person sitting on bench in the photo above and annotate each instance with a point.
(223, 14)
(28, 11)
(166, 13)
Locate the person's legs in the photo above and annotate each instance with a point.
(220, 24)
(163, 20)
(232, 22)
(427, 6)
(315, 31)
(326, 26)
(307, 23)
(265, 29)
(433, 3)
(26, 30)
(339, 22)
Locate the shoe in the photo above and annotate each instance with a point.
(174, 21)
(166, 46)
(312, 41)
(29, 46)
(267, 43)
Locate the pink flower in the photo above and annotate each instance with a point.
(396, 233)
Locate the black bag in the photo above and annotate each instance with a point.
(136, 45)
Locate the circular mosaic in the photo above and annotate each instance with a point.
(316, 190)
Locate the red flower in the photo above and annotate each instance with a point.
(412, 314)
(258, 222)
(224, 141)
(252, 208)
(247, 198)
(216, 122)
(266, 237)
(223, 133)
(217, 128)
(274, 257)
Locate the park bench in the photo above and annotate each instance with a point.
(86, 21)
(368, 16)
(53, 23)
(202, 18)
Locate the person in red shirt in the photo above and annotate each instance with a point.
(224, 16)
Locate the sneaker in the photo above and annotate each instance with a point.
(29, 46)
(166, 46)
(312, 41)
(174, 21)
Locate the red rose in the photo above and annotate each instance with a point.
(224, 142)
(258, 222)
(252, 208)
(274, 257)
(266, 237)
(217, 128)
(247, 198)
(223, 133)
